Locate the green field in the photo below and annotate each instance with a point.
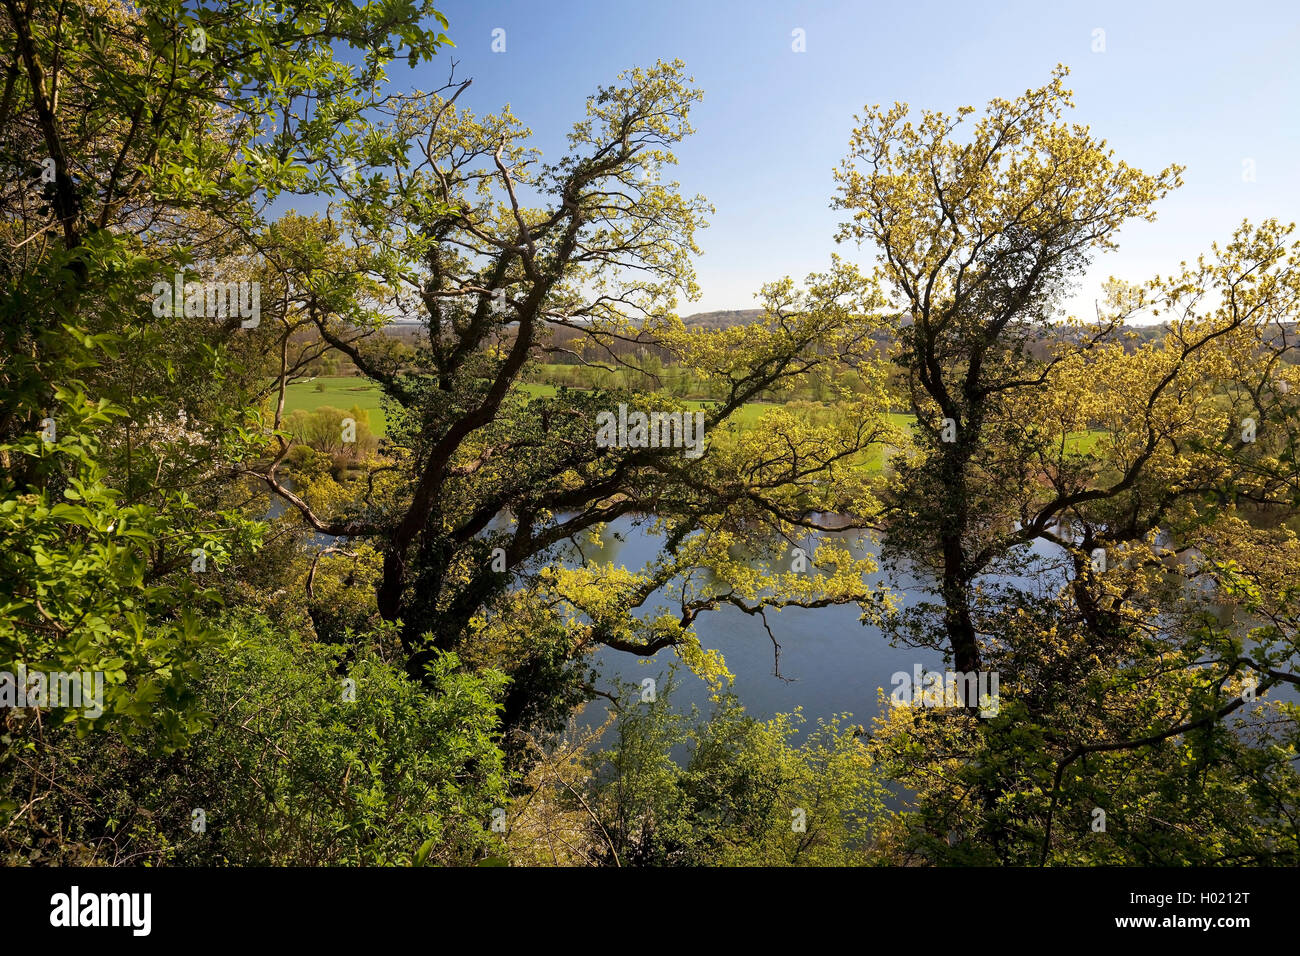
(346, 392)
(341, 392)
(747, 415)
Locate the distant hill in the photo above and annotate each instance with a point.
(721, 320)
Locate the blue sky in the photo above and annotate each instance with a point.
(1206, 85)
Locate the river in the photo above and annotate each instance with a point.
(831, 664)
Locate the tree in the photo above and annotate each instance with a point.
(1132, 466)
(485, 483)
(139, 138)
(976, 242)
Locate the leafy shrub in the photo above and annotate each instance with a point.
(289, 772)
(322, 428)
(727, 791)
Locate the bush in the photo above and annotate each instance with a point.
(289, 772)
(728, 791)
(323, 429)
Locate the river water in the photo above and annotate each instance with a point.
(830, 662)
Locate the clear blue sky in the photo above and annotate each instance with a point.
(1206, 85)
